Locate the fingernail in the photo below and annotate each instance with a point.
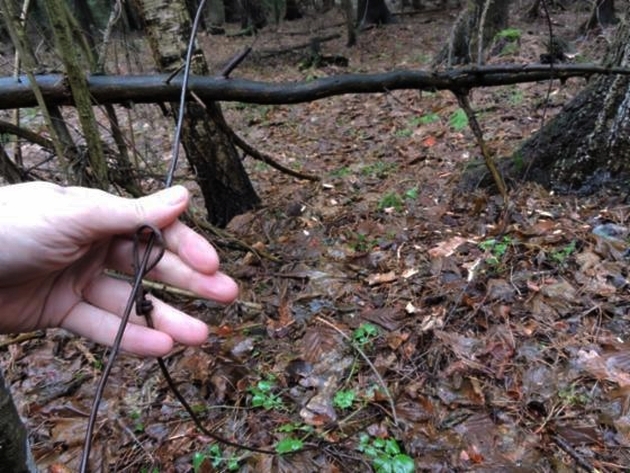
(173, 195)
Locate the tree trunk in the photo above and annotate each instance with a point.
(587, 145)
(473, 32)
(58, 15)
(225, 186)
(373, 12)
(214, 14)
(603, 14)
(15, 454)
(351, 31)
(292, 10)
(253, 14)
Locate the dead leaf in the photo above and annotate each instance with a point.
(390, 318)
(448, 247)
(381, 278)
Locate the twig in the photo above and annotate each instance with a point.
(154, 285)
(367, 360)
(253, 152)
(274, 52)
(204, 225)
(569, 450)
(22, 337)
(464, 103)
(234, 63)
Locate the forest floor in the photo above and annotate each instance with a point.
(387, 319)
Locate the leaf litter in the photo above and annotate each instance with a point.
(501, 350)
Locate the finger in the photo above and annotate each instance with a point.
(111, 295)
(191, 247)
(98, 213)
(101, 326)
(174, 271)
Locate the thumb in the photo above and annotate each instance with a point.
(110, 214)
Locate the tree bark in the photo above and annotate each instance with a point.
(225, 186)
(373, 12)
(587, 145)
(473, 31)
(351, 31)
(603, 14)
(15, 454)
(58, 17)
(155, 88)
(253, 14)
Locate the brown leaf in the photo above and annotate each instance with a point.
(447, 248)
(319, 340)
(381, 278)
(390, 318)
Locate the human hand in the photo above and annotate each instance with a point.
(56, 242)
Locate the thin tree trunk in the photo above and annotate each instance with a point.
(472, 31)
(351, 31)
(58, 16)
(225, 186)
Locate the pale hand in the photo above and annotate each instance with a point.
(56, 242)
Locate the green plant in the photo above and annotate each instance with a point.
(344, 399)
(458, 120)
(214, 455)
(144, 469)
(378, 169)
(263, 396)
(509, 49)
(138, 426)
(569, 395)
(411, 193)
(404, 133)
(294, 427)
(385, 454)
(429, 118)
(496, 248)
(261, 167)
(516, 96)
(391, 200)
(519, 162)
(364, 334)
(360, 242)
(511, 34)
(341, 172)
(289, 445)
(560, 256)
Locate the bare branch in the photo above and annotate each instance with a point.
(156, 88)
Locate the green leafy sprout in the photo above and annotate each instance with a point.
(214, 455)
(496, 248)
(344, 399)
(341, 172)
(458, 120)
(511, 34)
(385, 454)
(560, 256)
(289, 445)
(263, 395)
(136, 417)
(364, 334)
(378, 169)
(411, 193)
(429, 118)
(295, 427)
(391, 200)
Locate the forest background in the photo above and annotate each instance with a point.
(400, 310)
